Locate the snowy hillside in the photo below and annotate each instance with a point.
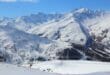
(17, 46)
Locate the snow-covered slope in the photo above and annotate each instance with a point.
(7, 69)
(67, 31)
(63, 30)
(17, 46)
(100, 26)
(73, 67)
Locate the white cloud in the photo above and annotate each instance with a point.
(19, 0)
(7, 0)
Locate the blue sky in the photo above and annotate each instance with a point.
(12, 8)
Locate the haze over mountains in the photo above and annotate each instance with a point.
(80, 34)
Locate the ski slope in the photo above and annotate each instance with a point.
(7, 69)
(73, 67)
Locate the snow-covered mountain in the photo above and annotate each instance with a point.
(78, 34)
(85, 31)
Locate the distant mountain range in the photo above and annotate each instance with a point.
(81, 34)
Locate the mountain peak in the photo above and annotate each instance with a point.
(82, 10)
